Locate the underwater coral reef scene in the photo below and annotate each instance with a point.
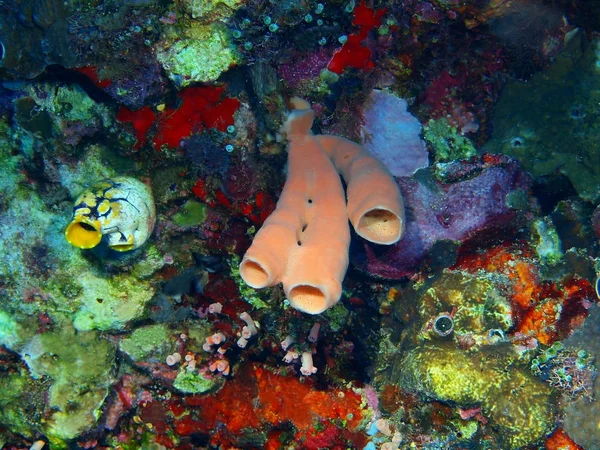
(309, 224)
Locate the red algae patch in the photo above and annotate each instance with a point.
(258, 400)
(141, 120)
(355, 53)
(200, 108)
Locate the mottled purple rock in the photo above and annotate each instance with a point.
(472, 208)
(304, 67)
(135, 87)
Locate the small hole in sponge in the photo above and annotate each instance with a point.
(304, 227)
(310, 200)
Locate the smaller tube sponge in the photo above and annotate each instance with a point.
(375, 205)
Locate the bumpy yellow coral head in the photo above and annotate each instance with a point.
(83, 233)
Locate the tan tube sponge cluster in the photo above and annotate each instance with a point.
(304, 243)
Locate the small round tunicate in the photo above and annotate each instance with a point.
(319, 9)
(273, 27)
(267, 20)
(517, 141)
(343, 39)
(558, 346)
(229, 148)
(237, 34)
(323, 41)
(443, 325)
(248, 45)
(230, 129)
(308, 18)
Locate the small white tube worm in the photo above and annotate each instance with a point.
(313, 336)
(307, 364)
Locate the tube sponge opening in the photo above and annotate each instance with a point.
(254, 274)
(308, 299)
(83, 234)
(380, 226)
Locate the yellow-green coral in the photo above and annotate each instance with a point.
(197, 53)
(447, 144)
(210, 10)
(80, 366)
(516, 402)
(476, 305)
(444, 374)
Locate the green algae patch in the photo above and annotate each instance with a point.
(149, 342)
(192, 213)
(192, 382)
(81, 367)
(446, 142)
(552, 130)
